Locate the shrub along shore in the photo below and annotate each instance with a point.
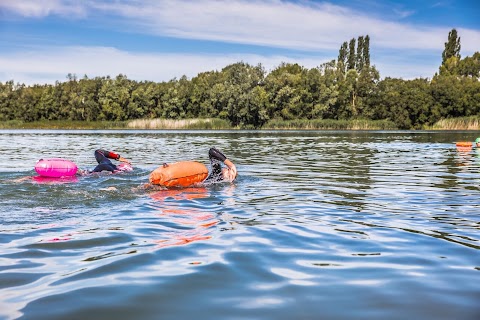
(463, 123)
(342, 94)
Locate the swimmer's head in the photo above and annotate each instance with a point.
(230, 173)
(477, 140)
(124, 167)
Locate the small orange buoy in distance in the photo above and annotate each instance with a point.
(463, 144)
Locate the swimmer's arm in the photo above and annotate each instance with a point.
(231, 168)
(81, 172)
(122, 159)
(115, 156)
(110, 154)
(216, 154)
(22, 179)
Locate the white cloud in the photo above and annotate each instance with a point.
(51, 64)
(43, 8)
(47, 65)
(304, 25)
(316, 29)
(470, 41)
(404, 13)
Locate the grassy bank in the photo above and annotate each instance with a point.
(464, 123)
(62, 124)
(165, 124)
(328, 124)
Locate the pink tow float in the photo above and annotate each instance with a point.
(55, 168)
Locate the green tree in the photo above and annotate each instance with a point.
(322, 93)
(170, 101)
(25, 107)
(452, 46)
(342, 60)
(451, 54)
(7, 100)
(252, 107)
(89, 108)
(284, 86)
(346, 106)
(202, 100)
(239, 80)
(360, 50)
(142, 100)
(351, 55)
(470, 66)
(114, 96)
(366, 51)
(407, 103)
(450, 96)
(47, 106)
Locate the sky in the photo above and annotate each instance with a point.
(41, 41)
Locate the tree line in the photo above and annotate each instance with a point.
(247, 96)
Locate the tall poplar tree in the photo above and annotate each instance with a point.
(351, 54)
(366, 51)
(360, 58)
(452, 47)
(342, 58)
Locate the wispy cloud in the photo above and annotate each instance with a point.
(440, 4)
(57, 62)
(312, 31)
(303, 25)
(43, 8)
(51, 64)
(402, 14)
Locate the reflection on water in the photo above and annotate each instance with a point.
(196, 224)
(318, 225)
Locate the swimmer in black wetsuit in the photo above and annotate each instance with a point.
(218, 173)
(104, 164)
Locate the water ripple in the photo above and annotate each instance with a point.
(319, 224)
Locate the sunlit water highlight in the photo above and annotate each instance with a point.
(319, 225)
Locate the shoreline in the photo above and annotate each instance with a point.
(456, 124)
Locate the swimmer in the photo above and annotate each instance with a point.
(477, 142)
(218, 172)
(228, 173)
(104, 164)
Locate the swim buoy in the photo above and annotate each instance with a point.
(464, 144)
(179, 174)
(55, 168)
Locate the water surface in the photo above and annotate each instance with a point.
(319, 225)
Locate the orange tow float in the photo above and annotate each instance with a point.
(464, 146)
(179, 174)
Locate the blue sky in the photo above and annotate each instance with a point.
(41, 41)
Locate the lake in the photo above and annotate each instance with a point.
(318, 225)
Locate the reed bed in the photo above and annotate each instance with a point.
(329, 124)
(462, 123)
(170, 124)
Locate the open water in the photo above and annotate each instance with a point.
(318, 225)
